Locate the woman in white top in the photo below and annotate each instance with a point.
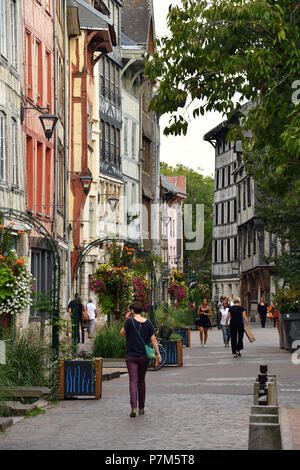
(223, 310)
(92, 313)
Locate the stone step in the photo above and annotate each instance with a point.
(264, 409)
(5, 423)
(15, 408)
(264, 418)
(26, 392)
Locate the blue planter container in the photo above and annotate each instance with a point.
(173, 352)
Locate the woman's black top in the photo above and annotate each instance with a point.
(134, 344)
(236, 315)
(262, 309)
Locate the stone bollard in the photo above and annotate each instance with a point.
(264, 426)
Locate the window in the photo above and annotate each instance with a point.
(216, 251)
(222, 251)
(234, 211)
(222, 213)
(47, 5)
(228, 249)
(244, 241)
(228, 212)
(3, 143)
(249, 241)
(249, 191)
(14, 143)
(235, 248)
(61, 178)
(3, 28)
(107, 141)
(217, 179)
(42, 274)
(13, 19)
(254, 241)
(91, 217)
(239, 197)
(217, 214)
(244, 195)
(228, 175)
(146, 155)
(126, 136)
(28, 65)
(39, 73)
(39, 179)
(47, 81)
(133, 140)
(223, 177)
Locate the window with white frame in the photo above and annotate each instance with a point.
(14, 151)
(13, 19)
(126, 136)
(3, 144)
(133, 140)
(3, 28)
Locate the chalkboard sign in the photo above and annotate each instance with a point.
(80, 379)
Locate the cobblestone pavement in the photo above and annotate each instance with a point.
(203, 405)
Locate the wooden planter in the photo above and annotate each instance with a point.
(81, 379)
(174, 352)
(186, 335)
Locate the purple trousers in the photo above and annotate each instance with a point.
(137, 368)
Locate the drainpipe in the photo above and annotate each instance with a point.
(66, 154)
(56, 114)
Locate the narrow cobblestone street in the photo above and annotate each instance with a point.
(203, 405)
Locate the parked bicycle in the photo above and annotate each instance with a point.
(154, 365)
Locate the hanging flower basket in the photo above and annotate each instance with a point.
(15, 282)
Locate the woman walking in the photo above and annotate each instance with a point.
(136, 360)
(262, 309)
(223, 311)
(237, 316)
(202, 321)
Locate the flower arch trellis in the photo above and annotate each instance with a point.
(140, 251)
(38, 227)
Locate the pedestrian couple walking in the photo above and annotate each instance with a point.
(83, 317)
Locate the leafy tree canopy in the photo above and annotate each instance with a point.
(222, 54)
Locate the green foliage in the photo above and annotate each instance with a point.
(175, 337)
(221, 54)
(108, 343)
(27, 361)
(288, 299)
(174, 318)
(199, 190)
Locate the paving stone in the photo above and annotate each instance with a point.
(206, 404)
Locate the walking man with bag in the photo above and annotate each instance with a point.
(138, 331)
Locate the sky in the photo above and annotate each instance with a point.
(190, 150)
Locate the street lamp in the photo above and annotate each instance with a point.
(48, 122)
(113, 202)
(86, 181)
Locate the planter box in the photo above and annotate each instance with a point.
(174, 352)
(292, 329)
(186, 335)
(81, 379)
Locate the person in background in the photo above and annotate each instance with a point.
(222, 321)
(203, 322)
(92, 313)
(74, 311)
(230, 302)
(262, 309)
(83, 318)
(136, 359)
(237, 315)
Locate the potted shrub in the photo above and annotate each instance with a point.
(288, 300)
